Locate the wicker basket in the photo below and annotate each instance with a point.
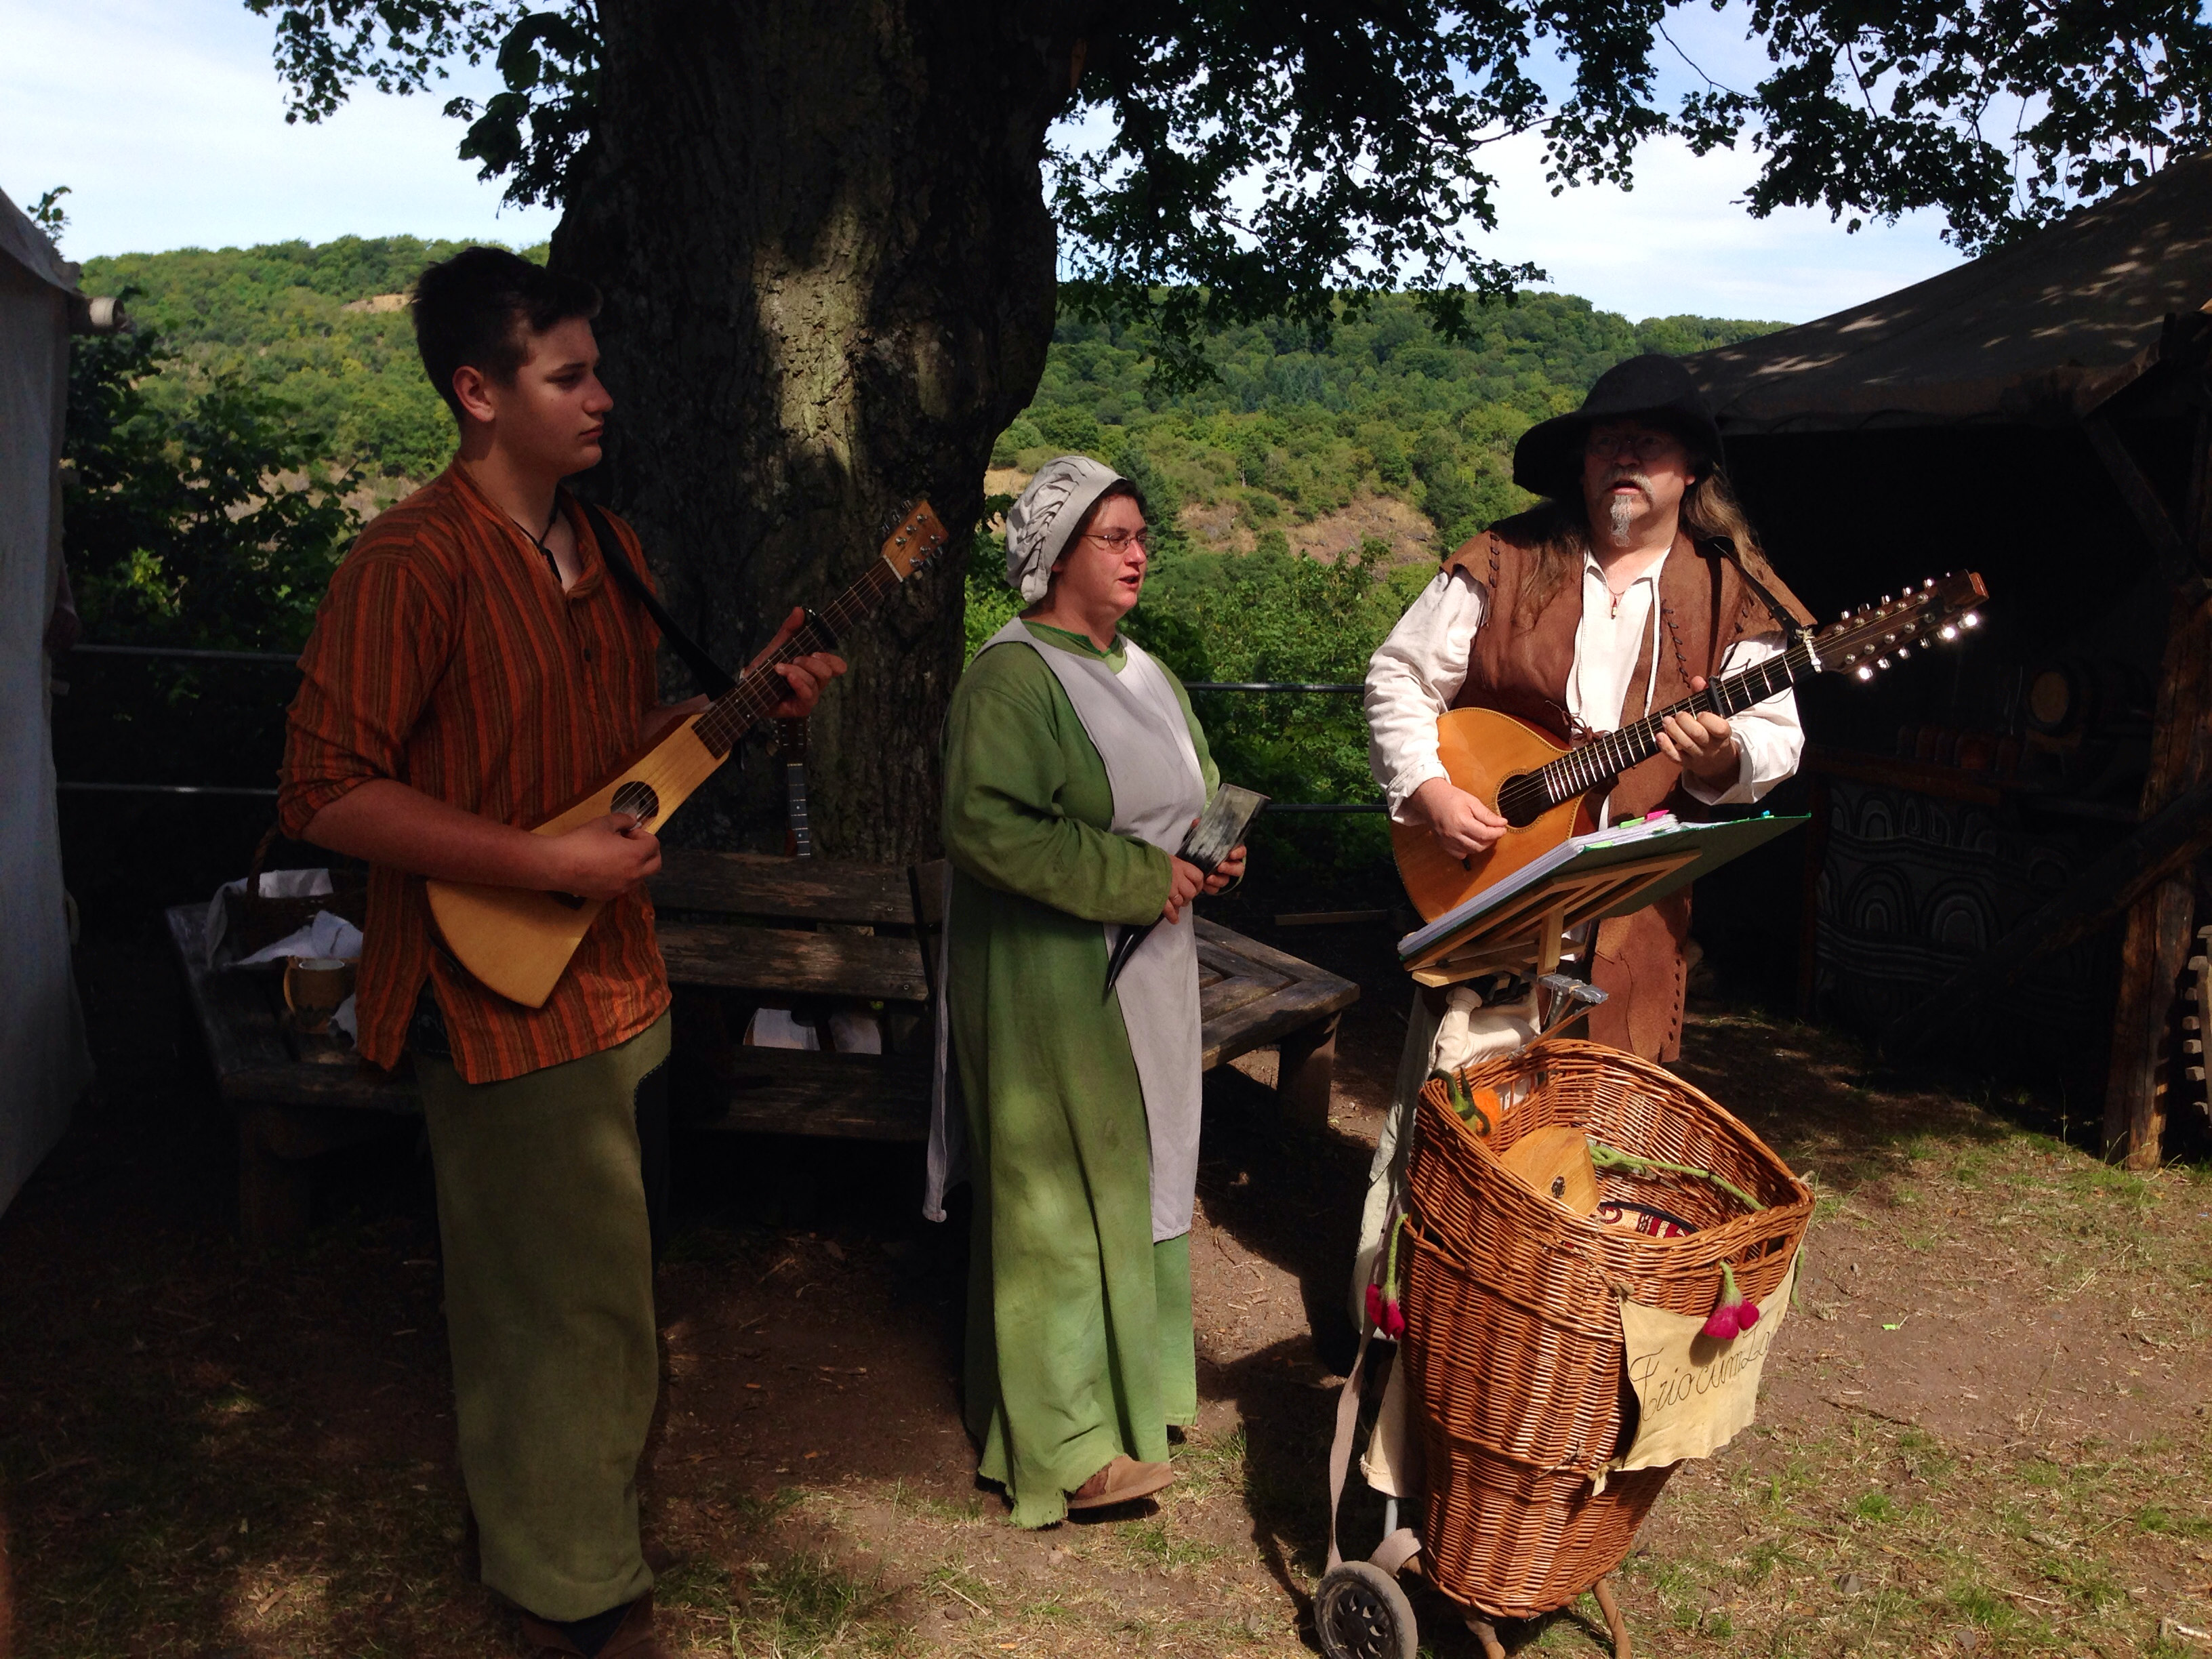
(1512, 1330)
(252, 923)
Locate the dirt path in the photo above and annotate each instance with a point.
(1984, 1428)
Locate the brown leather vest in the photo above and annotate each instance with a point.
(1519, 664)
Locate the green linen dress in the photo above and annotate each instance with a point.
(1080, 1341)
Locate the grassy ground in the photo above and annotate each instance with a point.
(1984, 1426)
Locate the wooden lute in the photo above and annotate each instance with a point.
(1547, 793)
(519, 942)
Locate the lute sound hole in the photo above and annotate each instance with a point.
(638, 800)
(1521, 799)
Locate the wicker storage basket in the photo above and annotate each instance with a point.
(1512, 1330)
(251, 922)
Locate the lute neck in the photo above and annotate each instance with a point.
(749, 702)
(1596, 763)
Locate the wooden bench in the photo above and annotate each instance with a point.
(739, 931)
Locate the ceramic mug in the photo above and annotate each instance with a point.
(313, 987)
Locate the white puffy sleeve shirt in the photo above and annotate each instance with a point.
(1416, 672)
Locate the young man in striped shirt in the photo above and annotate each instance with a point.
(473, 669)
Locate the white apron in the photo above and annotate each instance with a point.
(1138, 727)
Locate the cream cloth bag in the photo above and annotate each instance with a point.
(1443, 1033)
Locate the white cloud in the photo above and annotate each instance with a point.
(1681, 241)
(167, 120)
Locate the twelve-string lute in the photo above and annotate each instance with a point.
(1545, 791)
(519, 942)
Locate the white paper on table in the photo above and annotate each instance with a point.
(852, 1030)
(324, 935)
(775, 1028)
(275, 883)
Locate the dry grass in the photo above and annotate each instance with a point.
(1984, 1431)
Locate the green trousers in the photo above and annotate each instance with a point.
(548, 1313)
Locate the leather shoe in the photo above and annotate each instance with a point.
(633, 1639)
(1122, 1481)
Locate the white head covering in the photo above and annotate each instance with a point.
(1038, 526)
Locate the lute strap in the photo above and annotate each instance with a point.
(710, 674)
(1793, 623)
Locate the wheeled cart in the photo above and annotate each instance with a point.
(1511, 1428)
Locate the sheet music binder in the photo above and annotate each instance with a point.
(1519, 923)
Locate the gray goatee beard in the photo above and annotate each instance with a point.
(1622, 515)
(1621, 509)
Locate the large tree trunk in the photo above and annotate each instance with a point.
(828, 272)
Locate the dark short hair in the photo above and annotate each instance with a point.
(479, 308)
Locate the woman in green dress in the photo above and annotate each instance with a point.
(1073, 765)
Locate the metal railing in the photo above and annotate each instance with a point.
(81, 787)
(1269, 685)
(290, 660)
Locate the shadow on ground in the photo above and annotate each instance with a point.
(210, 1450)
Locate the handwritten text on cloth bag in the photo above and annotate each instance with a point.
(1696, 1392)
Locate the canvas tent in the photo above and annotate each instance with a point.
(2007, 847)
(44, 1066)
(2044, 333)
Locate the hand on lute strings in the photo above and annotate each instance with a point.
(601, 860)
(1704, 744)
(1462, 823)
(806, 675)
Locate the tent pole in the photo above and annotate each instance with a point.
(2161, 923)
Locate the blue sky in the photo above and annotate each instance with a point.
(167, 120)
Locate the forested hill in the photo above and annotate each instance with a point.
(1380, 443)
(1331, 444)
(303, 320)
(1383, 431)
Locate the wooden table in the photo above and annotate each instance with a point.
(738, 931)
(296, 1097)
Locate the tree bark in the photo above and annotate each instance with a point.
(827, 273)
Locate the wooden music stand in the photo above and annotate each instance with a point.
(1527, 933)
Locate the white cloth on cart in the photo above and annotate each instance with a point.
(1442, 1032)
(1394, 1462)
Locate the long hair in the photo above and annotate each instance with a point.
(1557, 531)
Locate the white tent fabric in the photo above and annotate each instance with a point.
(44, 1065)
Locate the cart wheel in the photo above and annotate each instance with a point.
(1359, 1612)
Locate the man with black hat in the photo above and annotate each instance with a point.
(1634, 581)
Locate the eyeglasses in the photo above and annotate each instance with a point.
(1645, 443)
(1118, 539)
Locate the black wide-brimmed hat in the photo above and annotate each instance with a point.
(1548, 460)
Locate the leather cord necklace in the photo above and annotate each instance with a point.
(538, 540)
(713, 678)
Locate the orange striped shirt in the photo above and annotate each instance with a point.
(446, 656)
